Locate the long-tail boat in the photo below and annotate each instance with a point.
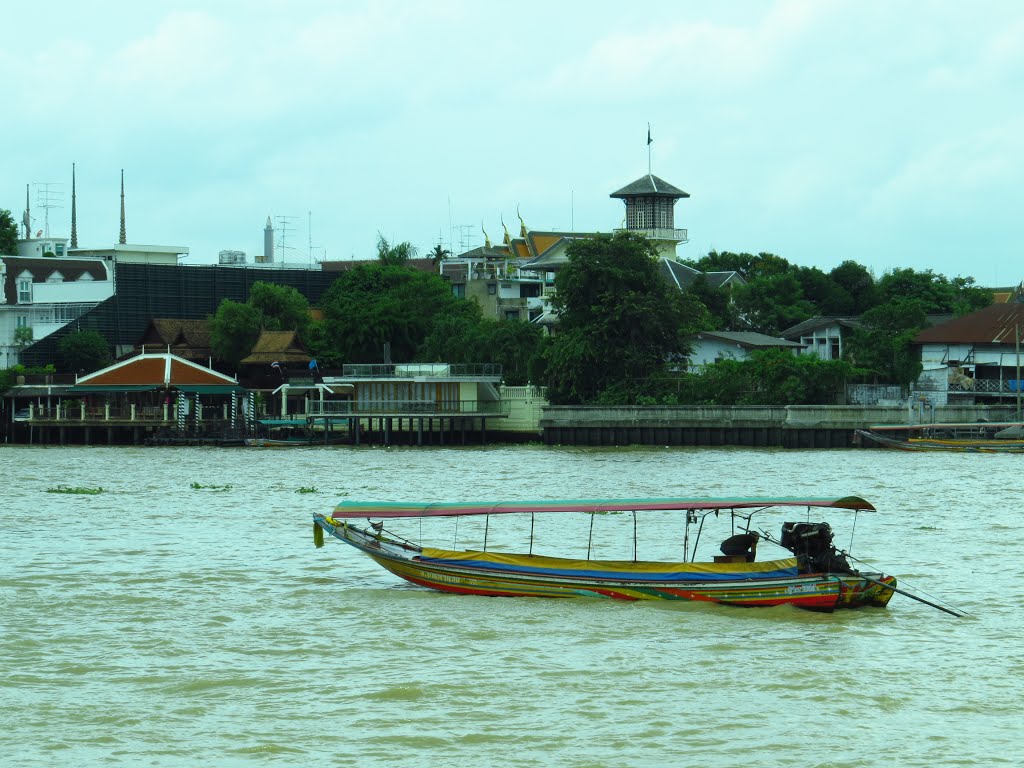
(982, 437)
(815, 575)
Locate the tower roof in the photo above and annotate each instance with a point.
(649, 185)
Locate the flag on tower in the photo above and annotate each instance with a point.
(649, 139)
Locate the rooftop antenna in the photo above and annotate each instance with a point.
(46, 198)
(74, 220)
(123, 238)
(309, 230)
(649, 140)
(26, 219)
(284, 226)
(466, 236)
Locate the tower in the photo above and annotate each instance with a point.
(123, 239)
(268, 243)
(74, 222)
(650, 211)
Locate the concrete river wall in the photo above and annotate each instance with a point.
(791, 426)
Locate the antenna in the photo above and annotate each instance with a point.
(467, 236)
(284, 226)
(46, 198)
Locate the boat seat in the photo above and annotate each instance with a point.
(730, 558)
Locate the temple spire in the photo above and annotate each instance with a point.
(74, 222)
(123, 239)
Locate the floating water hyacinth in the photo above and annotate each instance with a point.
(199, 487)
(307, 490)
(76, 490)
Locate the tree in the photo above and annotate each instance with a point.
(396, 255)
(856, 280)
(8, 233)
(770, 377)
(234, 329)
(377, 304)
(619, 321)
(884, 342)
(84, 351)
(439, 254)
(771, 303)
(280, 307)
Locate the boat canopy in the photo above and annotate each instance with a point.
(393, 509)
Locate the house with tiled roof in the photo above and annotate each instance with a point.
(189, 339)
(973, 359)
(712, 346)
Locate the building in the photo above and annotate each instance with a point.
(713, 346)
(824, 337)
(973, 359)
(52, 283)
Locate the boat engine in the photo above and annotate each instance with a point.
(812, 545)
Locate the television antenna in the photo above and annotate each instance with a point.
(48, 195)
(467, 236)
(284, 226)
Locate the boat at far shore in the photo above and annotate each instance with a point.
(808, 573)
(973, 437)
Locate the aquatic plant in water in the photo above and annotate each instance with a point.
(199, 487)
(76, 490)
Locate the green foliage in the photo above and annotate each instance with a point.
(772, 302)
(214, 488)
(439, 253)
(883, 343)
(512, 344)
(280, 307)
(84, 351)
(78, 490)
(858, 283)
(8, 233)
(937, 294)
(769, 377)
(234, 330)
(23, 336)
(380, 303)
(619, 321)
(394, 255)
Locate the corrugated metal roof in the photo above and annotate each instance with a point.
(995, 324)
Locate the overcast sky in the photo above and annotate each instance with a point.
(890, 133)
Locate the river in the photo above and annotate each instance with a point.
(183, 617)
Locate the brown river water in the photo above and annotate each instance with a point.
(183, 617)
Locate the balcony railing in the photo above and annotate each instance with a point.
(422, 370)
(341, 408)
(985, 386)
(678, 235)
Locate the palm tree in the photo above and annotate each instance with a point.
(394, 255)
(439, 254)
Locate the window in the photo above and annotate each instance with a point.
(491, 289)
(459, 290)
(60, 249)
(511, 314)
(25, 289)
(22, 321)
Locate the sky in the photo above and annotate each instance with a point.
(887, 132)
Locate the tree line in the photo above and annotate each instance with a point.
(623, 332)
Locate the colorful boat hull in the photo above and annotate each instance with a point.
(764, 584)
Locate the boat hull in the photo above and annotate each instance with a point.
(747, 585)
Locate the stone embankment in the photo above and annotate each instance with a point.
(792, 426)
